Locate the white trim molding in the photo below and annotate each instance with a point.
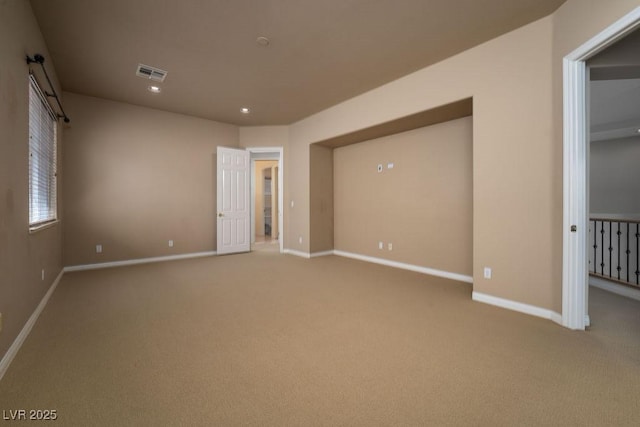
(404, 266)
(575, 137)
(615, 288)
(297, 253)
(138, 261)
(324, 253)
(26, 329)
(517, 306)
(388, 263)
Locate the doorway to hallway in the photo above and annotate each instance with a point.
(267, 199)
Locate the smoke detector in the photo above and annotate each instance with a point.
(151, 73)
(263, 41)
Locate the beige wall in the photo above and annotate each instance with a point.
(615, 177)
(137, 177)
(321, 189)
(297, 211)
(22, 255)
(509, 79)
(516, 84)
(423, 205)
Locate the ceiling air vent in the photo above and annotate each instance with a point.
(152, 73)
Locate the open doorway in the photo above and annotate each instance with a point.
(266, 199)
(613, 173)
(575, 169)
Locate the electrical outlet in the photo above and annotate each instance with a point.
(380, 245)
(170, 243)
(390, 246)
(390, 165)
(487, 272)
(98, 249)
(42, 274)
(300, 239)
(292, 203)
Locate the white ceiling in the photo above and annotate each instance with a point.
(614, 101)
(615, 109)
(615, 90)
(321, 52)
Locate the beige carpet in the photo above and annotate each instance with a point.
(267, 339)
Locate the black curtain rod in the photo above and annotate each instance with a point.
(39, 59)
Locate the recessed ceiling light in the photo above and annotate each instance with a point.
(154, 89)
(263, 41)
(245, 110)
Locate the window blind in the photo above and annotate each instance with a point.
(42, 158)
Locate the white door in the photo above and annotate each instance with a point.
(233, 201)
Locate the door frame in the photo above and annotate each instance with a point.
(268, 153)
(575, 157)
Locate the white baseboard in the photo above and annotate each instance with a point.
(404, 266)
(388, 263)
(556, 318)
(518, 306)
(297, 253)
(138, 261)
(24, 333)
(615, 288)
(324, 253)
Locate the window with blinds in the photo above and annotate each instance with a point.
(42, 158)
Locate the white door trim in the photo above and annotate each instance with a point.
(279, 153)
(575, 139)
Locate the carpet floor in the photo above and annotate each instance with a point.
(270, 339)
